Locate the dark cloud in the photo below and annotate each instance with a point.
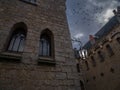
(86, 17)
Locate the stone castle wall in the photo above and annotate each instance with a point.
(106, 74)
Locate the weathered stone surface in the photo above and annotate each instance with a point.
(61, 75)
(28, 75)
(105, 75)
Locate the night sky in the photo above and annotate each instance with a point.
(86, 17)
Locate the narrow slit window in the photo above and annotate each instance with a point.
(101, 56)
(86, 63)
(78, 67)
(93, 61)
(109, 50)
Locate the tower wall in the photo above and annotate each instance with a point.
(32, 72)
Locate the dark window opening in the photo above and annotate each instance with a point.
(118, 40)
(78, 67)
(82, 85)
(76, 53)
(100, 54)
(94, 77)
(86, 63)
(87, 80)
(102, 74)
(112, 70)
(109, 50)
(17, 40)
(93, 61)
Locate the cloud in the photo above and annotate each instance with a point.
(86, 17)
(104, 17)
(79, 35)
(108, 14)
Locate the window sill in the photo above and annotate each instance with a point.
(46, 61)
(33, 3)
(10, 57)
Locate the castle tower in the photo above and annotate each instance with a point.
(35, 46)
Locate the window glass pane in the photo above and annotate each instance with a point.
(48, 50)
(44, 46)
(21, 43)
(21, 46)
(11, 44)
(16, 43)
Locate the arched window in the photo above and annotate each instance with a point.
(46, 44)
(17, 40)
(109, 49)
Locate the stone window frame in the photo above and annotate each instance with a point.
(15, 30)
(12, 56)
(47, 60)
(20, 35)
(45, 45)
